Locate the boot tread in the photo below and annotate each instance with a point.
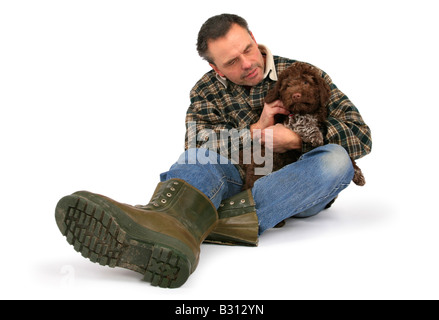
(96, 234)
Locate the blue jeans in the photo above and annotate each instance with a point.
(301, 189)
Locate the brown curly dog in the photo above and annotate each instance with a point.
(305, 93)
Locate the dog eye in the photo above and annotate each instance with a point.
(305, 82)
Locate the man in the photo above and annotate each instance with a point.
(200, 197)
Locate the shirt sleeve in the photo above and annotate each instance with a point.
(206, 127)
(345, 126)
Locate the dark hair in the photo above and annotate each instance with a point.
(215, 28)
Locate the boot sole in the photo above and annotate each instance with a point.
(96, 232)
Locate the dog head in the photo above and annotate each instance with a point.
(301, 89)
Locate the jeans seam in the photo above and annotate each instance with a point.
(217, 189)
(234, 182)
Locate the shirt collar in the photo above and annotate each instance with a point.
(270, 67)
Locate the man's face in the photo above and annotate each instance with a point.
(237, 57)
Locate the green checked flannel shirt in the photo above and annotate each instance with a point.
(219, 105)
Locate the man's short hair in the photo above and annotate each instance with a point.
(215, 28)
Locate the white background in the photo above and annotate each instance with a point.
(93, 96)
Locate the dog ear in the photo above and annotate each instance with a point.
(325, 91)
(274, 94)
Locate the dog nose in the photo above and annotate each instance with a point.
(297, 96)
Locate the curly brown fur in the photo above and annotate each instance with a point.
(305, 93)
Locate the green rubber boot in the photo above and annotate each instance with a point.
(238, 222)
(160, 240)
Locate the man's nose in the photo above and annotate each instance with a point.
(246, 64)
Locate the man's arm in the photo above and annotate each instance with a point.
(207, 127)
(345, 126)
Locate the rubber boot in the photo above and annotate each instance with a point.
(238, 222)
(160, 240)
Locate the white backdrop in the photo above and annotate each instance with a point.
(93, 96)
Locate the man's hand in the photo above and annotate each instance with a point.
(281, 138)
(267, 117)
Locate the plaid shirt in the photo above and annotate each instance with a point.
(218, 105)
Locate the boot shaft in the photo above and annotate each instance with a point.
(238, 222)
(186, 204)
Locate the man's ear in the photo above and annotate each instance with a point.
(214, 67)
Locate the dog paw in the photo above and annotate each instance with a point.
(359, 180)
